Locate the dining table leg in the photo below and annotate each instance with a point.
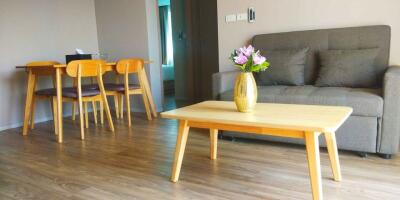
(148, 93)
(28, 101)
(59, 106)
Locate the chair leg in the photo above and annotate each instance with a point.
(121, 106)
(54, 107)
(74, 111)
(94, 106)
(85, 105)
(116, 106)
(33, 109)
(101, 112)
(128, 109)
(81, 118)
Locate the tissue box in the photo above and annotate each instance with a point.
(69, 58)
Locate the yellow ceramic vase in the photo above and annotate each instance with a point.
(245, 92)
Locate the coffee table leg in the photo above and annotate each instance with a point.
(333, 155)
(179, 149)
(312, 146)
(213, 143)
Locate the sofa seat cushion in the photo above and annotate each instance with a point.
(365, 102)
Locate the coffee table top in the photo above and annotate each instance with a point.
(282, 116)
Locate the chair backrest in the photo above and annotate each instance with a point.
(87, 68)
(133, 65)
(46, 67)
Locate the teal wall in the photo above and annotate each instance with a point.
(164, 2)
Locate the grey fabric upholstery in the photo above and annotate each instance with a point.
(365, 102)
(120, 87)
(223, 82)
(46, 92)
(70, 92)
(286, 67)
(347, 68)
(389, 137)
(375, 124)
(356, 134)
(91, 86)
(330, 39)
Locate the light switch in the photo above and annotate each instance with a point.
(252, 14)
(230, 18)
(242, 17)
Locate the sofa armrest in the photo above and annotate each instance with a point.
(222, 82)
(388, 142)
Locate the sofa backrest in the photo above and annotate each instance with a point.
(330, 39)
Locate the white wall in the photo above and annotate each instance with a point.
(38, 30)
(291, 15)
(129, 29)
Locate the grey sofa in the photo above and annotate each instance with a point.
(374, 126)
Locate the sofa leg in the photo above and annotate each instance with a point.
(362, 154)
(385, 156)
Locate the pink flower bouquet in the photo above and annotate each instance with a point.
(247, 59)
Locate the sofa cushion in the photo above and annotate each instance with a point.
(365, 102)
(286, 67)
(348, 68)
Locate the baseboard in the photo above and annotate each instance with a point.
(46, 119)
(20, 124)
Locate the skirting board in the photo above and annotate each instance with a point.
(45, 119)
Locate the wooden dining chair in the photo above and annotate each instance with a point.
(92, 85)
(126, 67)
(46, 70)
(85, 69)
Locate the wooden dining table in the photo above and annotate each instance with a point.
(60, 70)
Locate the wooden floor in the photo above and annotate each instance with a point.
(136, 163)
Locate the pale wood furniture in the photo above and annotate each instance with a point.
(60, 70)
(126, 67)
(284, 120)
(93, 85)
(40, 69)
(89, 68)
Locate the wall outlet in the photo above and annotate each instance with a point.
(242, 17)
(230, 18)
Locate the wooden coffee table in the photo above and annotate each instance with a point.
(284, 120)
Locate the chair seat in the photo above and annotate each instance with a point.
(91, 86)
(119, 87)
(69, 92)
